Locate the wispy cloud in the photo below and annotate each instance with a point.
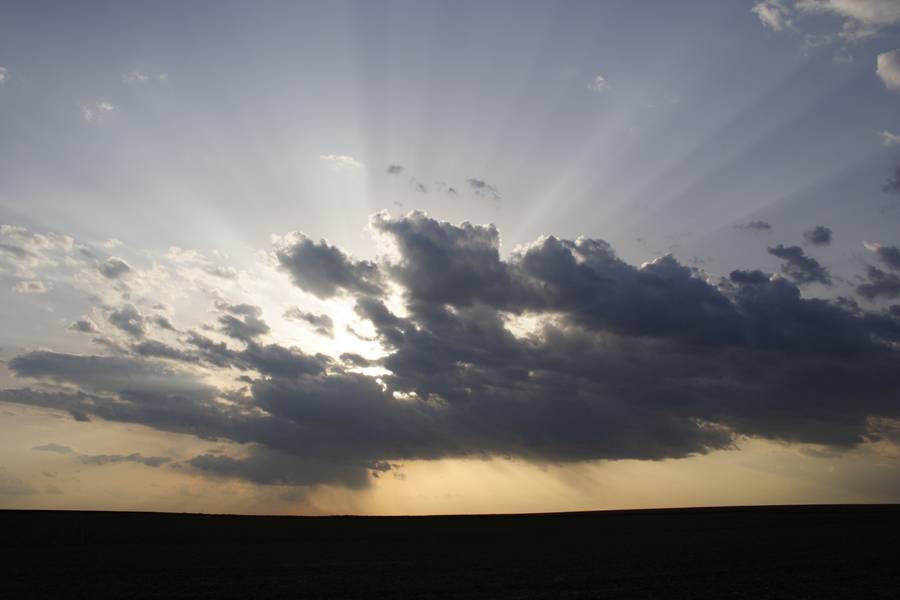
(4, 74)
(889, 139)
(342, 163)
(94, 113)
(598, 84)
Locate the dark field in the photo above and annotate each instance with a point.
(766, 552)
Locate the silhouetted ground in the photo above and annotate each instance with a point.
(767, 552)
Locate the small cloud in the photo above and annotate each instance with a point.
(755, 226)
(598, 84)
(93, 113)
(83, 326)
(112, 243)
(4, 75)
(818, 235)
(114, 268)
(395, 169)
(483, 188)
(888, 68)
(889, 139)
(774, 14)
(58, 449)
(342, 163)
(31, 287)
(135, 77)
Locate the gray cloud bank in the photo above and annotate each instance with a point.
(620, 362)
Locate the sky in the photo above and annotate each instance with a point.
(449, 257)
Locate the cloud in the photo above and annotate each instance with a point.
(242, 322)
(95, 112)
(800, 268)
(4, 75)
(755, 226)
(774, 14)
(135, 77)
(342, 163)
(128, 319)
(889, 255)
(888, 68)
(880, 285)
(114, 268)
(395, 169)
(30, 287)
(483, 188)
(879, 13)
(618, 361)
(892, 185)
(104, 459)
(54, 448)
(83, 326)
(818, 235)
(323, 324)
(859, 20)
(598, 84)
(889, 139)
(324, 270)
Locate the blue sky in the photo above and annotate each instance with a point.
(180, 138)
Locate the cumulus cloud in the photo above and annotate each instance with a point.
(114, 268)
(888, 68)
(645, 362)
(242, 321)
(30, 287)
(324, 270)
(818, 235)
(395, 169)
(128, 319)
(83, 326)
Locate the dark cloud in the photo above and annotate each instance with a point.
(800, 268)
(483, 188)
(128, 319)
(242, 322)
(156, 349)
(889, 255)
(83, 326)
(880, 284)
(324, 270)
(106, 459)
(395, 169)
(892, 185)
(114, 268)
(755, 226)
(818, 235)
(560, 352)
(323, 324)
